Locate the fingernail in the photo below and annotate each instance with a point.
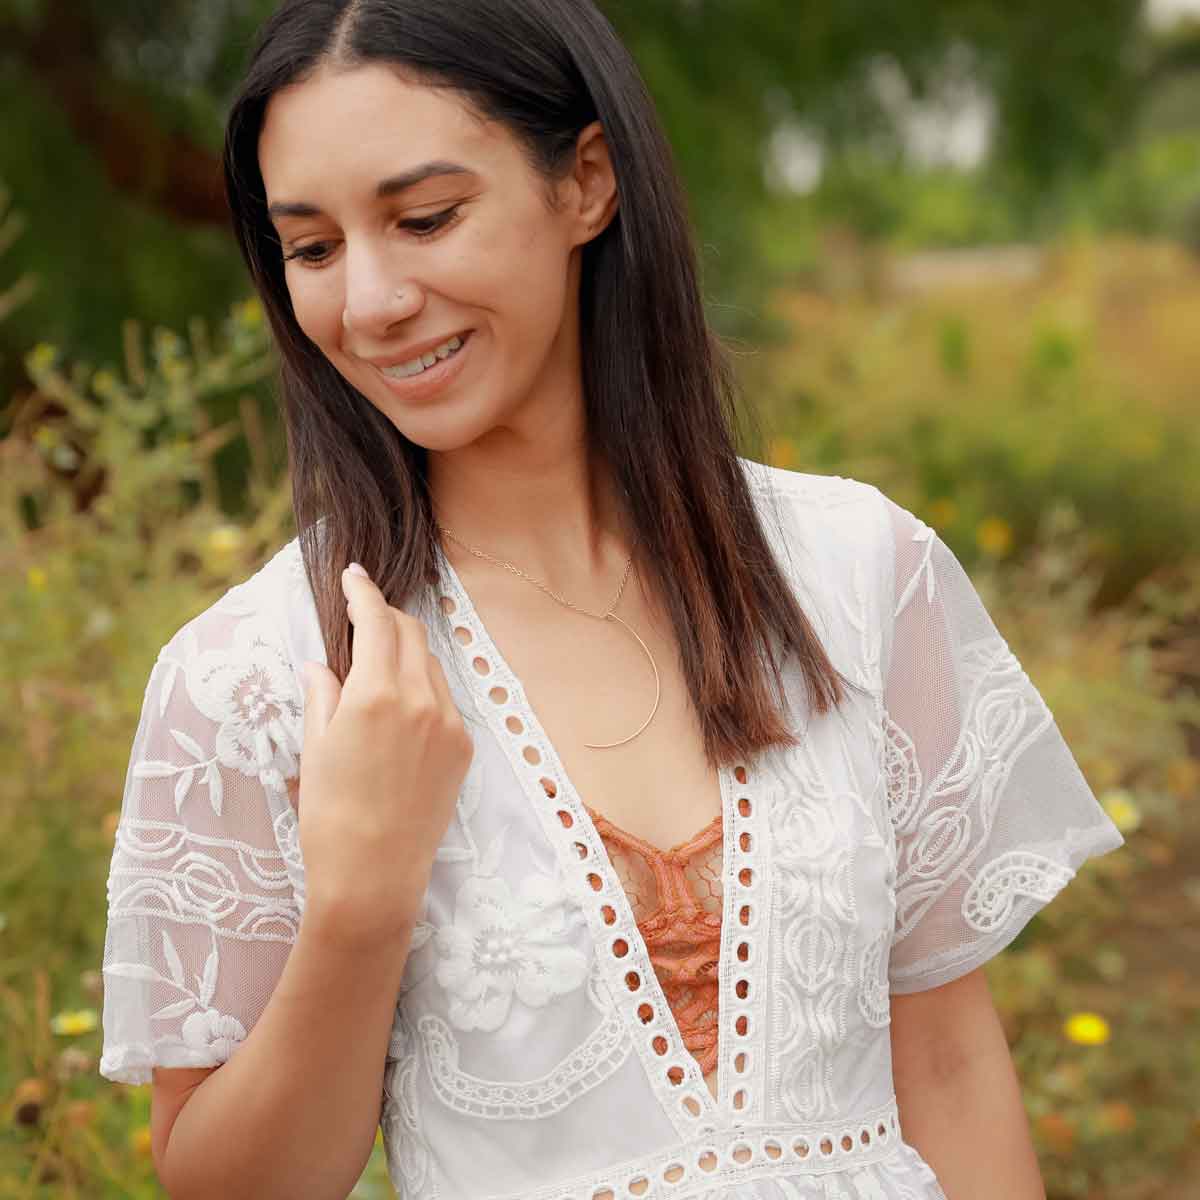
(358, 570)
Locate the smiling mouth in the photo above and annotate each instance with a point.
(417, 366)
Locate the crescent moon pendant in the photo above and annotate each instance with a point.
(657, 692)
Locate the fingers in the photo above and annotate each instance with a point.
(321, 693)
(376, 639)
(396, 657)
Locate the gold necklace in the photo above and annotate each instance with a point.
(606, 615)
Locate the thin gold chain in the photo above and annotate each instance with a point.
(607, 615)
(549, 592)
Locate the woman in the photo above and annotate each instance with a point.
(429, 888)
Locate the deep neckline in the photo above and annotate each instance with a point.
(672, 852)
(706, 1103)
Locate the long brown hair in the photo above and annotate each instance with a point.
(658, 386)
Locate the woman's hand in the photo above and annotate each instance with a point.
(384, 756)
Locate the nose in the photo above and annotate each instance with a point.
(377, 294)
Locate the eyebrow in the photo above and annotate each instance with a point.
(392, 186)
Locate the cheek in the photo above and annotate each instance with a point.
(317, 304)
(521, 279)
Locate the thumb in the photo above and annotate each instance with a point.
(322, 691)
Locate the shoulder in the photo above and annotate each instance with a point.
(834, 520)
(832, 538)
(274, 604)
(238, 664)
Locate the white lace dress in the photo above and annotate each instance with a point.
(911, 837)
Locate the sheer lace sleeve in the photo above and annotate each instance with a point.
(992, 814)
(204, 888)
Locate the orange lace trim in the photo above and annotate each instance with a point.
(676, 900)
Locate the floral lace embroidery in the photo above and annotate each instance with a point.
(249, 691)
(675, 895)
(499, 945)
(211, 1034)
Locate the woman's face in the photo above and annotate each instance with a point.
(409, 225)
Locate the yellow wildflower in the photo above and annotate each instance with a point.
(41, 358)
(943, 512)
(139, 1140)
(1086, 1029)
(250, 313)
(71, 1024)
(225, 540)
(1121, 808)
(994, 536)
(36, 579)
(104, 383)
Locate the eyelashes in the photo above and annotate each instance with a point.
(421, 228)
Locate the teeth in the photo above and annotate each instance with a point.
(415, 366)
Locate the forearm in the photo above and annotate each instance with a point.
(294, 1110)
(968, 1122)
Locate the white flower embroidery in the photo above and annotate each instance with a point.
(250, 692)
(208, 1029)
(500, 944)
(212, 1030)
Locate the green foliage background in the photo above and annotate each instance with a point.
(1008, 350)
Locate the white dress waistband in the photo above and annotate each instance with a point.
(727, 1157)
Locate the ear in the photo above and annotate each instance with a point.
(595, 182)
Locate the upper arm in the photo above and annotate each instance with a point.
(204, 883)
(171, 1088)
(991, 814)
(935, 1031)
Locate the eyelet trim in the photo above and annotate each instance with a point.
(740, 1155)
(741, 1045)
(673, 1073)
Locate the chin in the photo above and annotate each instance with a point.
(442, 431)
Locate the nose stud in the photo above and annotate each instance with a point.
(345, 314)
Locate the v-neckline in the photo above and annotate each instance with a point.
(700, 1109)
(649, 849)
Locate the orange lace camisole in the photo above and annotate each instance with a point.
(675, 895)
